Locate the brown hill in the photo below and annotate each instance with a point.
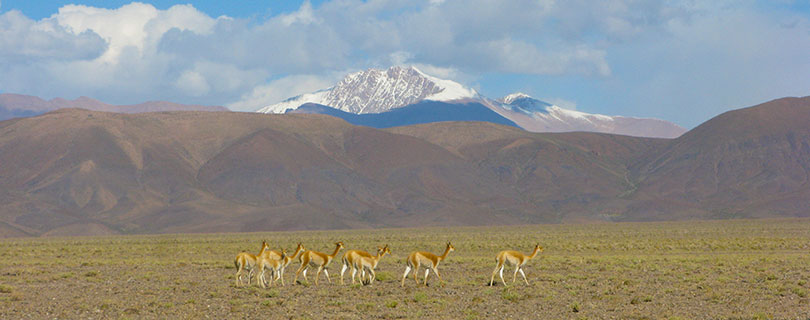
(18, 105)
(191, 172)
(751, 162)
(71, 172)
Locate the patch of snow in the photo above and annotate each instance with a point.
(450, 90)
(295, 102)
(514, 96)
(578, 114)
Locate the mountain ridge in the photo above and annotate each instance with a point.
(376, 91)
(191, 171)
(18, 105)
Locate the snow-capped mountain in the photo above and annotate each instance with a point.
(376, 91)
(539, 116)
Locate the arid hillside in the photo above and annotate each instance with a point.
(752, 162)
(78, 172)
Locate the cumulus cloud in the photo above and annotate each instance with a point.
(22, 39)
(280, 89)
(304, 15)
(115, 55)
(135, 25)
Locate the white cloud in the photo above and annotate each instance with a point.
(22, 39)
(281, 89)
(192, 83)
(304, 15)
(400, 57)
(135, 25)
(507, 55)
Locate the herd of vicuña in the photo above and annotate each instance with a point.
(358, 260)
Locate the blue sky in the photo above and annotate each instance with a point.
(683, 61)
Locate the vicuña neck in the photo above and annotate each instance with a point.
(536, 249)
(446, 252)
(337, 248)
(297, 251)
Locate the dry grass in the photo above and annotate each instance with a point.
(704, 269)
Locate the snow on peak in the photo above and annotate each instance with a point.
(450, 90)
(514, 96)
(524, 103)
(295, 102)
(377, 90)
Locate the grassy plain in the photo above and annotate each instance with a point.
(749, 269)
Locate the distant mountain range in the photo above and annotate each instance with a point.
(79, 172)
(18, 105)
(377, 91)
(393, 97)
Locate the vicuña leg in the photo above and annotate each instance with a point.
(280, 276)
(371, 276)
(436, 271)
(302, 270)
(524, 276)
(342, 270)
(427, 273)
(318, 274)
(494, 272)
(405, 275)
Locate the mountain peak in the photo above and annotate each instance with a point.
(540, 116)
(508, 99)
(379, 90)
